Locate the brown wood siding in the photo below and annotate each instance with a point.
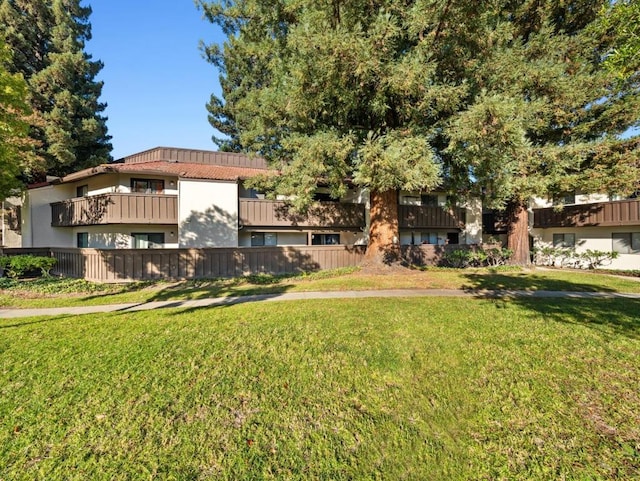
(333, 215)
(602, 214)
(122, 265)
(197, 157)
(113, 265)
(418, 216)
(115, 209)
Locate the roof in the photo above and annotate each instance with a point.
(179, 169)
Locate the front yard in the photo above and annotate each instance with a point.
(54, 292)
(348, 389)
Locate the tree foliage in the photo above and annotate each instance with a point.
(15, 148)
(48, 40)
(502, 99)
(620, 20)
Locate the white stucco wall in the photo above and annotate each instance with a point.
(121, 183)
(541, 202)
(594, 238)
(207, 213)
(36, 218)
(472, 232)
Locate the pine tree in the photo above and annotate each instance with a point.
(15, 147)
(502, 99)
(48, 38)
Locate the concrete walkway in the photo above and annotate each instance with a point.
(296, 296)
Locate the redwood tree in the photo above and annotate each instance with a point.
(47, 39)
(502, 99)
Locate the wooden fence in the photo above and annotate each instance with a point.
(122, 265)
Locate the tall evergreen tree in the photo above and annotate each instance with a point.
(502, 98)
(16, 150)
(48, 39)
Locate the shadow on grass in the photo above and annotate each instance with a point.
(621, 316)
(608, 316)
(239, 286)
(28, 321)
(526, 281)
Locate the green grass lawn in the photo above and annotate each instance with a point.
(414, 389)
(54, 292)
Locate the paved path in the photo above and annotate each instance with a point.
(295, 296)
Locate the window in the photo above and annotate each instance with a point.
(565, 198)
(325, 239)
(453, 238)
(82, 191)
(323, 197)
(410, 200)
(259, 239)
(428, 238)
(564, 240)
(147, 186)
(82, 240)
(429, 200)
(148, 241)
(626, 242)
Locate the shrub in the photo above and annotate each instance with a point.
(480, 257)
(457, 258)
(567, 257)
(19, 266)
(593, 258)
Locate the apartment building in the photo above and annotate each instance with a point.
(590, 221)
(180, 198)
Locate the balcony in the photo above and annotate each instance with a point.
(267, 213)
(602, 214)
(423, 217)
(115, 209)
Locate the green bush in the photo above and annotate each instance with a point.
(19, 266)
(568, 257)
(458, 258)
(480, 257)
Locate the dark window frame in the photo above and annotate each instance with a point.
(82, 190)
(150, 187)
(429, 200)
(630, 242)
(259, 239)
(82, 240)
(324, 239)
(564, 242)
(157, 235)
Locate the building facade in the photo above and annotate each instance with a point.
(590, 221)
(181, 198)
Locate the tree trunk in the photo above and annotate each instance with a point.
(384, 240)
(518, 233)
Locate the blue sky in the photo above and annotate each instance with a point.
(156, 83)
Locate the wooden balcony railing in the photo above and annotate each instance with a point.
(115, 209)
(422, 217)
(268, 213)
(618, 213)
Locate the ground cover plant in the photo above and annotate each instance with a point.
(58, 292)
(347, 389)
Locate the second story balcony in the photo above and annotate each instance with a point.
(602, 214)
(268, 213)
(425, 217)
(115, 209)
